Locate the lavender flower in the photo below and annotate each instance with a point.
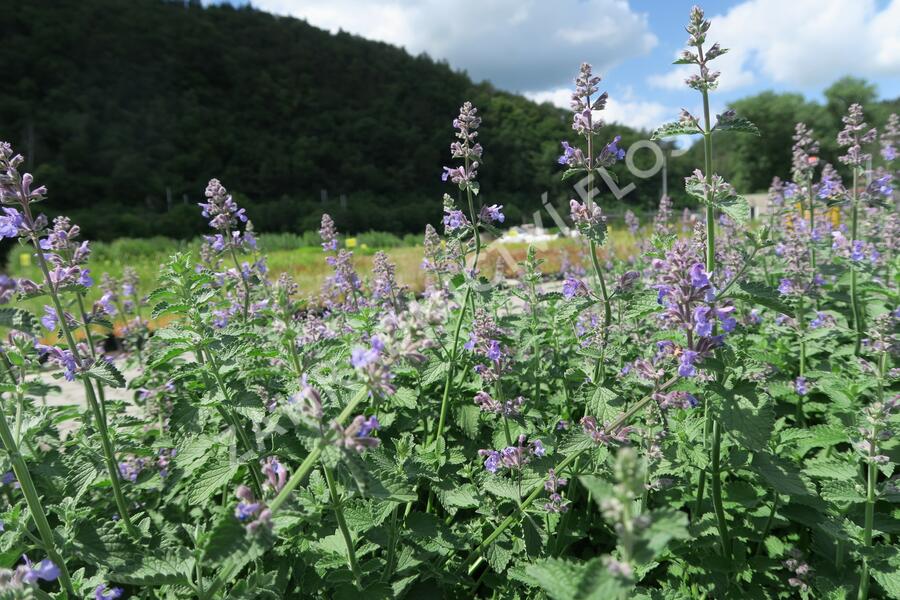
(805, 153)
(102, 592)
(512, 457)
(45, 570)
(492, 213)
(853, 136)
(357, 435)
(800, 386)
(602, 435)
(465, 148)
(510, 408)
(553, 485)
(588, 219)
(328, 233)
(275, 473)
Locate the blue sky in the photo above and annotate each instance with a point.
(535, 46)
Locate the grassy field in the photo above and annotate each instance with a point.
(302, 258)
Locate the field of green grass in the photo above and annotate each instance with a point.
(302, 258)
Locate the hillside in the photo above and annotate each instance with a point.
(126, 123)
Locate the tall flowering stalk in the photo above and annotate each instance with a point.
(457, 224)
(586, 215)
(853, 136)
(714, 192)
(16, 189)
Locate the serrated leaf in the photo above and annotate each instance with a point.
(843, 492)
(18, 318)
(210, 481)
(107, 373)
(726, 122)
(675, 128)
(152, 570)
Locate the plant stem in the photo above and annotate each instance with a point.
(854, 299)
(33, 500)
(872, 478)
(717, 489)
(342, 525)
(106, 443)
(311, 459)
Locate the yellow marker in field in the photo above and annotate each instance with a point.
(350, 242)
(25, 259)
(364, 246)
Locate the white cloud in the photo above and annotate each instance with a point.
(621, 108)
(517, 44)
(802, 42)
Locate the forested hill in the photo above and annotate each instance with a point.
(126, 108)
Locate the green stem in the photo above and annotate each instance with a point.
(717, 489)
(769, 522)
(342, 525)
(311, 459)
(451, 368)
(33, 500)
(106, 443)
(871, 480)
(854, 299)
(235, 423)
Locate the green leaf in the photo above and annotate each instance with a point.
(749, 423)
(107, 373)
(18, 318)
(570, 173)
(152, 570)
(210, 481)
(783, 475)
(843, 492)
(675, 128)
(761, 294)
(732, 122)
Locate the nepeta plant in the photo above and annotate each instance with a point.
(536, 438)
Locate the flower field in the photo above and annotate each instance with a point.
(693, 407)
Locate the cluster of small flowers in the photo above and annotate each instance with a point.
(697, 29)
(484, 341)
(436, 260)
(512, 457)
(588, 219)
(224, 216)
(854, 136)
(574, 287)
(687, 294)
(632, 222)
(67, 360)
(251, 511)
(805, 152)
(799, 570)
(856, 250)
(603, 435)
(466, 148)
(794, 251)
(275, 473)
(883, 335)
(487, 404)
(876, 417)
(357, 436)
(405, 334)
(678, 399)
(553, 485)
(662, 222)
(371, 364)
(328, 233)
(384, 280)
(132, 466)
(28, 574)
